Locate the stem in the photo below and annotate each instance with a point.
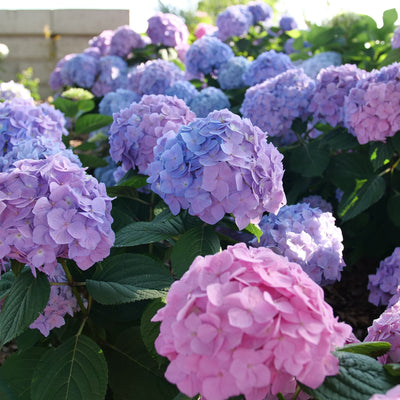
(296, 393)
(68, 283)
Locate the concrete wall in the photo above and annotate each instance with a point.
(40, 38)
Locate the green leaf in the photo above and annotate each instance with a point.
(86, 105)
(27, 298)
(367, 192)
(380, 154)
(254, 230)
(91, 122)
(91, 161)
(372, 349)
(66, 106)
(198, 241)
(129, 277)
(6, 282)
(359, 378)
(76, 370)
(393, 206)
(390, 17)
(392, 369)
(18, 369)
(5, 391)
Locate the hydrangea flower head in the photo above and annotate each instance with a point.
(371, 111)
(153, 77)
(207, 55)
(216, 165)
(333, 84)
(235, 20)
(102, 42)
(116, 101)
(247, 321)
(267, 65)
(207, 100)
(167, 29)
(287, 23)
(57, 80)
(182, 89)
(124, 40)
(316, 201)
(230, 75)
(395, 40)
(51, 208)
(203, 28)
(274, 104)
(313, 65)
(307, 236)
(135, 130)
(383, 284)
(261, 11)
(9, 90)
(392, 394)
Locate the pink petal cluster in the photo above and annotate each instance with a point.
(203, 28)
(247, 321)
(392, 394)
(135, 130)
(51, 208)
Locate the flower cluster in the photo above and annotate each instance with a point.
(203, 28)
(287, 23)
(234, 21)
(275, 103)
(51, 208)
(102, 42)
(267, 65)
(183, 89)
(9, 90)
(216, 165)
(208, 99)
(307, 236)
(135, 130)
(113, 102)
(124, 40)
(371, 109)
(395, 40)
(167, 29)
(247, 321)
(57, 80)
(61, 302)
(392, 394)
(230, 75)
(316, 201)
(333, 85)
(261, 11)
(207, 55)
(313, 65)
(383, 284)
(153, 77)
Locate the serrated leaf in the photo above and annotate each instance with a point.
(198, 241)
(393, 206)
(359, 378)
(380, 154)
(68, 107)
(91, 122)
(91, 161)
(86, 105)
(6, 281)
(76, 370)
(27, 298)
(372, 349)
(129, 277)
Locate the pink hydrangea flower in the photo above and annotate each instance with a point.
(204, 29)
(392, 394)
(247, 321)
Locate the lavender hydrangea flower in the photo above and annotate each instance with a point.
(112, 75)
(57, 80)
(183, 89)
(267, 65)
(113, 102)
(207, 55)
(51, 208)
(61, 302)
(287, 23)
(153, 77)
(217, 165)
(261, 11)
(124, 40)
(316, 201)
(167, 29)
(395, 40)
(234, 21)
(275, 103)
(207, 100)
(9, 90)
(371, 109)
(135, 130)
(333, 84)
(230, 75)
(307, 236)
(312, 66)
(102, 42)
(383, 284)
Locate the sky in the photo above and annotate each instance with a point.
(141, 10)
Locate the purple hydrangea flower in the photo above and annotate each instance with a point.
(207, 100)
(183, 89)
(275, 103)
(207, 55)
(234, 21)
(261, 11)
(230, 75)
(9, 90)
(112, 75)
(51, 208)
(135, 130)
(267, 65)
(287, 23)
(395, 40)
(316, 201)
(57, 80)
(124, 40)
(102, 42)
(333, 84)
(153, 77)
(383, 284)
(116, 101)
(307, 236)
(217, 165)
(167, 29)
(61, 302)
(371, 109)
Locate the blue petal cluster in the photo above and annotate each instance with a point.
(230, 75)
(312, 66)
(183, 89)
(113, 102)
(207, 100)
(287, 23)
(124, 40)
(261, 11)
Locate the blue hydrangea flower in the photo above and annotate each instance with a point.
(230, 75)
(183, 89)
(234, 21)
(267, 65)
(207, 100)
(113, 102)
(395, 40)
(124, 40)
(313, 65)
(262, 12)
(207, 55)
(287, 23)
(102, 42)
(11, 89)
